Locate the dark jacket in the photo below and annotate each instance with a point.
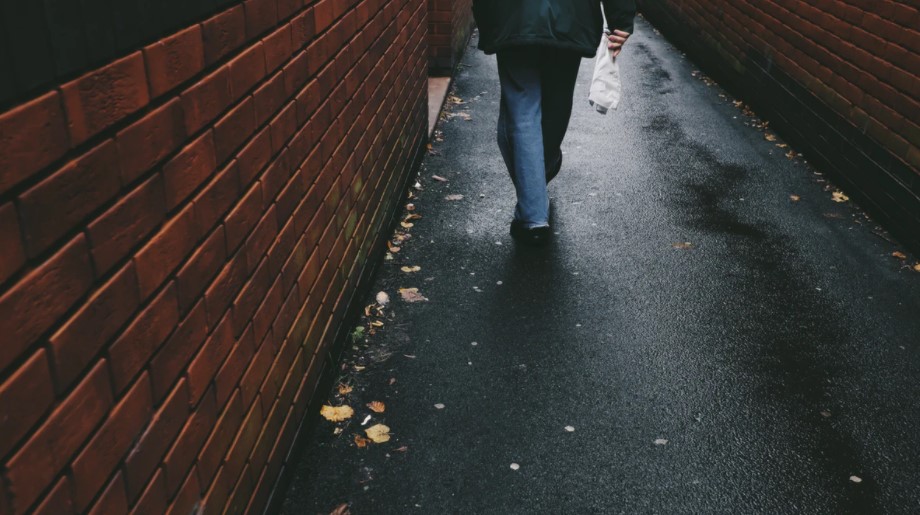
(571, 24)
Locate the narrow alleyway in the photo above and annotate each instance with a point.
(709, 331)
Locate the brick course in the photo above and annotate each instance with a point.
(839, 79)
(189, 196)
(450, 24)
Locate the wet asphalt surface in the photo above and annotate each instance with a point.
(778, 355)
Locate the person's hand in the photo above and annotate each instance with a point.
(617, 39)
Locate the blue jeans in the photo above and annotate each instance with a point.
(537, 85)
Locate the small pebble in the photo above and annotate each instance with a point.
(515, 466)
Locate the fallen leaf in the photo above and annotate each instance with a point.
(378, 433)
(661, 441)
(359, 368)
(337, 431)
(392, 248)
(439, 406)
(838, 196)
(377, 323)
(413, 216)
(917, 267)
(826, 413)
(341, 509)
(410, 207)
(401, 449)
(856, 479)
(337, 413)
(769, 137)
(683, 245)
(411, 269)
(570, 429)
(454, 196)
(782, 145)
(438, 178)
(406, 225)
(795, 198)
(392, 381)
(383, 298)
(412, 295)
(898, 254)
(791, 154)
(368, 308)
(377, 407)
(361, 442)
(344, 389)
(515, 466)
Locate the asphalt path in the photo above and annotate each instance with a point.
(694, 339)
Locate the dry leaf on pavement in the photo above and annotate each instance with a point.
(361, 442)
(661, 441)
(411, 269)
(377, 406)
(376, 323)
(337, 413)
(344, 389)
(378, 434)
(898, 254)
(406, 225)
(795, 198)
(438, 178)
(683, 245)
(455, 196)
(412, 295)
(838, 196)
(341, 509)
(382, 298)
(392, 248)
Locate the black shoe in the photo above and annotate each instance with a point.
(532, 235)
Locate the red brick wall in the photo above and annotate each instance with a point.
(839, 78)
(183, 224)
(449, 28)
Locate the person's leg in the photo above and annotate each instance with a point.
(520, 127)
(558, 74)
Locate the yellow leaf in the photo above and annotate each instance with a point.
(411, 269)
(377, 323)
(406, 225)
(344, 389)
(413, 216)
(412, 295)
(898, 254)
(377, 406)
(393, 248)
(795, 198)
(361, 442)
(336, 413)
(378, 433)
(917, 267)
(769, 137)
(838, 196)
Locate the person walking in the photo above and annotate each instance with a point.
(539, 46)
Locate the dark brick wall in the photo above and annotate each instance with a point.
(449, 27)
(837, 78)
(189, 195)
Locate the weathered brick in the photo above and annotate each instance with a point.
(110, 443)
(220, 294)
(234, 129)
(57, 204)
(154, 500)
(260, 16)
(188, 498)
(104, 97)
(224, 33)
(50, 448)
(75, 344)
(113, 500)
(243, 218)
(13, 256)
(200, 269)
(169, 362)
(58, 501)
(165, 251)
(204, 367)
(32, 136)
(150, 448)
(180, 458)
(214, 450)
(174, 60)
(184, 173)
(254, 156)
(146, 142)
(247, 70)
(206, 100)
(125, 224)
(133, 349)
(32, 305)
(24, 398)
